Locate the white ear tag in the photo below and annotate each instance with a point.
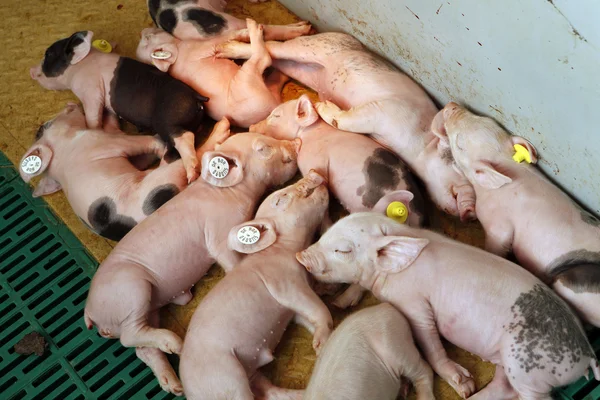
(218, 167)
(31, 164)
(161, 54)
(248, 235)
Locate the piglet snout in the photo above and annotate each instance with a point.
(35, 72)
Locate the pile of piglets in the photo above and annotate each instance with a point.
(374, 141)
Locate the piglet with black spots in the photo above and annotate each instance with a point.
(523, 212)
(236, 328)
(93, 168)
(476, 300)
(166, 254)
(203, 19)
(363, 93)
(136, 92)
(361, 173)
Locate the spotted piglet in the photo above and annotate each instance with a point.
(476, 300)
(206, 19)
(139, 93)
(93, 168)
(361, 173)
(167, 253)
(523, 212)
(367, 357)
(375, 99)
(236, 328)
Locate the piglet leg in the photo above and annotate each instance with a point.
(350, 297)
(162, 369)
(287, 32)
(303, 301)
(219, 134)
(94, 111)
(185, 146)
(263, 389)
(361, 119)
(498, 389)
(139, 333)
(428, 338)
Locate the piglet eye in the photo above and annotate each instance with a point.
(343, 251)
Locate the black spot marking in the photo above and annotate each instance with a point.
(447, 156)
(589, 218)
(547, 331)
(104, 219)
(42, 129)
(159, 196)
(153, 6)
(59, 55)
(578, 270)
(167, 20)
(205, 21)
(154, 101)
(382, 173)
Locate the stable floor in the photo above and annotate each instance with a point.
(30, 26)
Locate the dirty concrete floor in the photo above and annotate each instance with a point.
(30, 26)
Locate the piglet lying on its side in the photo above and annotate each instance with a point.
(140, 94)
(240, 94)
(522, 211)
(534, 338)
(361, 173)
(240, 322)
(206, 19)
(366, 358)
(168, 252)
(93, 168)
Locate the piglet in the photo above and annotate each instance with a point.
(239, 93)
(361, 173)
(207, 19)
(380, 101)
(167, 253)
(236, 328)
(366, 358)
(523, 212)
(106, 191)
(140, 94)
(476, 300)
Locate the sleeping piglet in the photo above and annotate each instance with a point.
(168, 252)
(139, 93)
(361, 173)
(94, 170)
(448, 288)
(236, 328)
(523, 212)
(366, 358)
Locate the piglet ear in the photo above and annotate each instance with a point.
(306, 114)
(46, 186)
(80, 44)
(439, 130)
(527, 144)
(222, 169)
(35, 161)
(252, 237)
(396, 253)
(487, 176)
(164, 56)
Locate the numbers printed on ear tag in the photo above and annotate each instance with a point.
(31, 164)
(161, 54)
(218, 167)
(248, 235)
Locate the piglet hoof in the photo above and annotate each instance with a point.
(320, 337)
(170, 383)
(169, 342)
(329, 112)
(463, 382)
(227, 50)
(192, 174)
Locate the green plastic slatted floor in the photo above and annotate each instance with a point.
(45, 273)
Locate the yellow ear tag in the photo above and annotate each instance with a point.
(397, 211)
(521, 154)
(102, 45)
